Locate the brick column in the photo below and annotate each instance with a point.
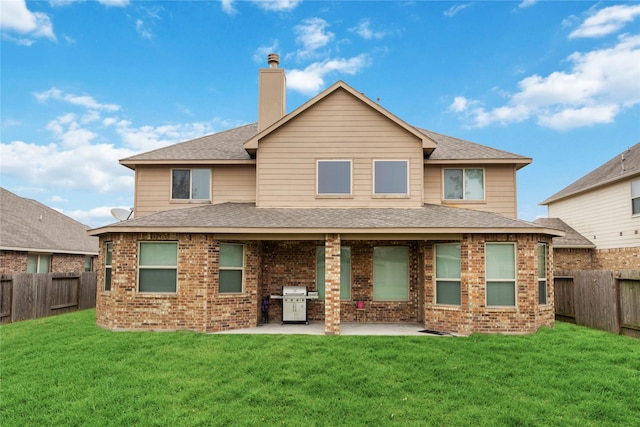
(332, 284)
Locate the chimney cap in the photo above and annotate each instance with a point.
(273, 59)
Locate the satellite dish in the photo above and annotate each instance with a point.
(122, 214)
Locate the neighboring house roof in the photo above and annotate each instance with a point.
(571, 239)
(247, 218)
(27, 225)
(623, 166)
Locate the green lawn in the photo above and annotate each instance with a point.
(65, 371)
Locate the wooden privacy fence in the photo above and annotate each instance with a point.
(28, 296)
(600, 299)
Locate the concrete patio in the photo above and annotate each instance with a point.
(317, 328)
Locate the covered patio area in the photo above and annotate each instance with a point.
(360, 329)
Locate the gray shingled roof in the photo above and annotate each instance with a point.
(228, 145)
(238, 216)
(612, 171)
(450, 148)
(571, 239)
(28, 225)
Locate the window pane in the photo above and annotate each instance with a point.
(501, 293)
(107, 279)
(87, 263)
(542, 261)
(180, 184)
(165, 253)
(635, 189)
(542, 292)
(391, 273)
(500, 261)
(635, 206)
(453, 184)
(345, 272)
(200, 184)
(320, 271)
(44, 262)
(334, 177)
(231, 255)
(448, 261)
(474, 184)
(448, 293)
(230, 281)
(390, 177)
(158, 280)
(32, 263)
(109, 254)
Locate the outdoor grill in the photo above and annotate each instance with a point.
(294, 303)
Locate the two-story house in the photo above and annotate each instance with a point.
(604, 208)
(339, 196)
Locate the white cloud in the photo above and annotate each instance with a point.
(311, 80)
(58, 199)
(79, 100)
(16, 18)
(227, 7)
(363, 29)
(277, 5)
(143, 30)
(261, 53)
(312, 34)
(94, 217)
(600, 84)
(607, 21)
(527, 3)
(454, 10)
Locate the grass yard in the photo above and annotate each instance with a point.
(65, 371)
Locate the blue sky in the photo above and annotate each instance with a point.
(86, 83)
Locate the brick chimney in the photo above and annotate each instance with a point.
(272, 89)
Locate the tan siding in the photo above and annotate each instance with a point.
(229, 183)
(338, 127)
(602, 216)
(500, 188)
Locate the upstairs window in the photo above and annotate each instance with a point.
(38, 263)
(391, 177)
(190, 184)
(635, 197)
(464, 184)
(333, 177)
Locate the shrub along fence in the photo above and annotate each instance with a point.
(600, 299)
(28, 296)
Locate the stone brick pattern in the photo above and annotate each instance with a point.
(597, 259)
(270, 265)
(473, 314)
(14, 262)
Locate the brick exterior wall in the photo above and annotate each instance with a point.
(270, 265)
(597, 259)
(473, 315)
(14, 262)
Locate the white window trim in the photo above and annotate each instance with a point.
(152, 267)
(631, 197)
(107, 266)
(545, 278)
(514, 281)
(436, 279)
(41, 254)
(335, 195)
(373, 179)
(242, 269)
(190, 199)
(463, 169)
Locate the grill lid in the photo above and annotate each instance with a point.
(294, 290)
